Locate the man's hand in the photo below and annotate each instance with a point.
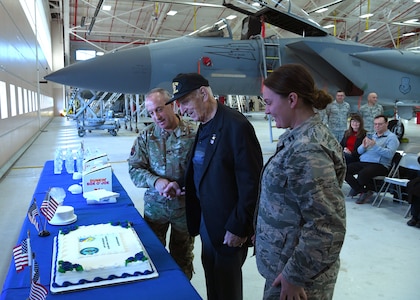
(161, 184)
(288, 290)
(172, 190)
(368, 143)
(233, 240)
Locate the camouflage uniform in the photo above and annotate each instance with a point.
(369, 113)
(323, 115)
(337, 115)
(300, 222)
(158, 154)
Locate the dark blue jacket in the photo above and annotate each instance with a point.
(228, 189)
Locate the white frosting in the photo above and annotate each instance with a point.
(102, 251)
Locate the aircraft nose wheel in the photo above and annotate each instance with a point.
(396, 127)
(81, 132)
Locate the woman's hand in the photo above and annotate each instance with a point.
(346, 150)
(288, 290)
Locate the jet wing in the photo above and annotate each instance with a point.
(393, 59)
(326, 70)
(357, 68)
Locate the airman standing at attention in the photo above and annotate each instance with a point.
(337, 114)
(158, 159)
(370, 110)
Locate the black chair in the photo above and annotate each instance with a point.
(380, 180)
(400, 180)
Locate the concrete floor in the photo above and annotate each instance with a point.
(378, 260)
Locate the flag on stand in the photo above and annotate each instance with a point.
(32, 213)
(21, 254)
(48, 207)
(38, 291)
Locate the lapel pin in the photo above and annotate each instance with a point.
(213, 138)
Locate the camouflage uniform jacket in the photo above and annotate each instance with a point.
(337, 115)
(369, 113)
(156, 154)
(300, 223)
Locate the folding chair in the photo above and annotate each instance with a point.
(391, 173)
(408, 161)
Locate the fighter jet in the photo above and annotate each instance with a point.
(238, 67)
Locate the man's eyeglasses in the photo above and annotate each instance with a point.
(378, 124)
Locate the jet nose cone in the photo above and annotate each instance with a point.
(125, 71)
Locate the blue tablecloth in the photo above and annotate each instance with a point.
(171, 283)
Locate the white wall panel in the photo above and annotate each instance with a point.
(21, 118)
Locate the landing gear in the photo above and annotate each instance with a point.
(112, 132)
(81, 132)
(397, 127)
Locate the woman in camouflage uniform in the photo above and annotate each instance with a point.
(300, 222)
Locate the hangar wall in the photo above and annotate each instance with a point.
(26, 103)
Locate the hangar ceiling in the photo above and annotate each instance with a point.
(130, 23)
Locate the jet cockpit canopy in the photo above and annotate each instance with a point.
(219, 29)
(283, 14)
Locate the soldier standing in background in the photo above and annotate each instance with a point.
(158, 160)
(370, 110)
(301, 217)
(337, 114)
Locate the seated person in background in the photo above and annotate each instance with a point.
(376, 153)
(353, 138)
(407, 173)
(413, 189)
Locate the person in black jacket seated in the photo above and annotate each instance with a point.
(353, 138)
(413, 191)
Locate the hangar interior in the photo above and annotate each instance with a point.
(378, 260)
(115, 24)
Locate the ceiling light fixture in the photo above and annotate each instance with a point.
(106, 7)
(321, 10)
(329, 26)
(370, 30)
(365, 16)
(172, 13)
(412, 21)
(92, 22)
(317, 10)
(231, 17)
(409, 34)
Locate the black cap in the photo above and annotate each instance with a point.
(185, 83)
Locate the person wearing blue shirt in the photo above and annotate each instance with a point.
(376, 153)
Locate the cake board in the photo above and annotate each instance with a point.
(106, 282)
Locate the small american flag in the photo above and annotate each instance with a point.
(38, 291)
(21, 255)
(48, 207)
(32, 213)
